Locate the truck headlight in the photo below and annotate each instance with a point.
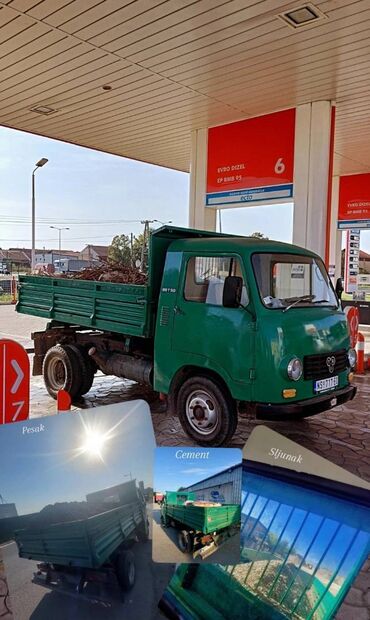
(295, 369)
(352, 358)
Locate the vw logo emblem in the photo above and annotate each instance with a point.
(330, 362)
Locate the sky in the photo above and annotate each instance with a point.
(60, 463)
(172, 472)
(81, 189)
(97, 196)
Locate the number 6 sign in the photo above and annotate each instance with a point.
(251, 160)
(280, 166)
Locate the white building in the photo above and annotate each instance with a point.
(224, 487)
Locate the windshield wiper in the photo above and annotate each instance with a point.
(298, 300)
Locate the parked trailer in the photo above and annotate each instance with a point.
(219, 315)
(202, 529)
(92, 549)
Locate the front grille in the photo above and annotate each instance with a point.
(316, 366)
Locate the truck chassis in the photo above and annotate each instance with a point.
(197, 543)
(119, 573)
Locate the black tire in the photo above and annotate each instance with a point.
(61, 371)
(125, 570)
(185, 541)
(143, 531)
(211, 422)
(87, 368)
(164, 521)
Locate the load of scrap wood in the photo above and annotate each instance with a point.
(202, 503)
(109, 272)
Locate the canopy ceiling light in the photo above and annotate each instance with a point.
(43, 109)
(303, 15)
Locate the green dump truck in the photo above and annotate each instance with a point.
(209, 592)
(96, 548)
(224, 322)
(202, 528)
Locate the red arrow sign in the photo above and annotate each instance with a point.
(14, 382)
(353, 320)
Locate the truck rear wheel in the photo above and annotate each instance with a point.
(125, 570)
(164, 521)
(185, 541)
(87, 369)
(143, 531)
(206, 412)
(61, 371)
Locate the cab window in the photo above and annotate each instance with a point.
(205, 278)
(292, 280)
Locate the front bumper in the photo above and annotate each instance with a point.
(305, 408)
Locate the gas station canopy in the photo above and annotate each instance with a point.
(134, 78)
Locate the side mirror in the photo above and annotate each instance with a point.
(339, 288)
(232, 293)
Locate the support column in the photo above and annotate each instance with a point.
(200, 216)
(335, 239)
(312, 176)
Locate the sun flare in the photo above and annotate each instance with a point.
(94, 443)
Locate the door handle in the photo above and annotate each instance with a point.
(177, 310)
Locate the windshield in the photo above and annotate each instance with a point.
(291, 280)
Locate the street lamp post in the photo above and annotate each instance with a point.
(39, 164)
(59, 229)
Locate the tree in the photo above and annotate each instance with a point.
(120, 250)
(258, 235)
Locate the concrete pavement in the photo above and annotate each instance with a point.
(5, 613)
(19, 326)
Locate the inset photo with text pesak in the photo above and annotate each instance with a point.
(75, 531)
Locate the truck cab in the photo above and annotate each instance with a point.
(242, 320)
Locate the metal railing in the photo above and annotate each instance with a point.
(300, 561)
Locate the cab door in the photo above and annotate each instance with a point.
(206, 333)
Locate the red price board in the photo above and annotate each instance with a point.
(14, 382)
(251, 160)
(354, 201)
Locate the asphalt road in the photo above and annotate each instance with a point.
(165, 548)
(31, 601)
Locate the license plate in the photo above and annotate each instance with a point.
(322, 385)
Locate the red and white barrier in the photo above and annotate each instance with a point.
(360, 348)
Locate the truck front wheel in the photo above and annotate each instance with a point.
(61, 371)
(206, 412)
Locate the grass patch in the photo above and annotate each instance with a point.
(6, 299)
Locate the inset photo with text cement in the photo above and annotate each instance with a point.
(196, 505)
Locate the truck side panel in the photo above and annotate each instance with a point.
(205, 519)
(87, 543)
(119, 308)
